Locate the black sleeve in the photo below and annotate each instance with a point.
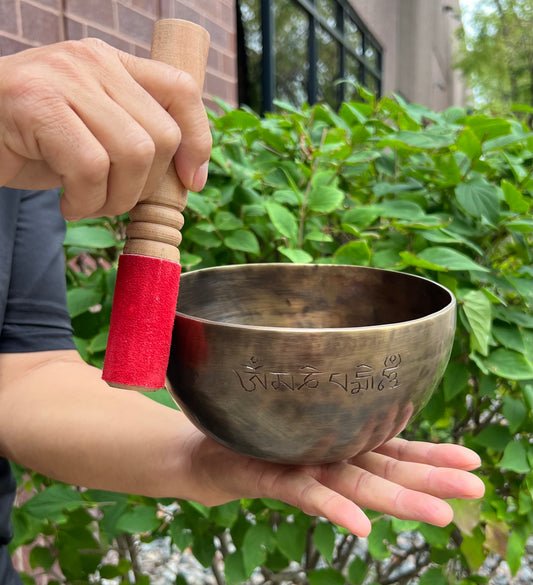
(36, 316)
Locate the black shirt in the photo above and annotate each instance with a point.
(33, 313)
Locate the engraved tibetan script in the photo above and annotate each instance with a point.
(362, 377)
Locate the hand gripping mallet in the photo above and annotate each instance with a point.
(146, 290)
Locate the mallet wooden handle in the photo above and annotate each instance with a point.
(155, 224)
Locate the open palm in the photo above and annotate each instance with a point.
(406, 479)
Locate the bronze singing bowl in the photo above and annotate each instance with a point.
(307, 364)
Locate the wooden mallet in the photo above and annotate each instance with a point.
(146, 290)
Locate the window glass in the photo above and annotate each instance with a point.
(328, 10)
(301, 51)
(250, 53)
(354, 37)
(291, 65)
(352, 76)
(327, 67)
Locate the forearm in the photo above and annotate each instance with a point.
(59, 418)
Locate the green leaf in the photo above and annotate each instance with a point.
(357, 571)
(380, 537)
(515, 551)
(203, 548)
(202, 237)
(324, 540)
(515, 412)
(353, 253)
(436, 536)
(477, 308)
(227, 221)
(258, 540)
(361, 217)
(472, 548)
(509, 364)
(80, 300)
(316, 236)
(189, 260)
(399, 209)
(515, 458)
(523, 225)
(324, 196)
(41, 556)
(180, 533)
(242, 240)
(488, 127)
(469, 143)
(139, 519)
(99, 342)
(514, 198)
(412, 260)
(455, 380)
(449, 259)
(501, 141)
(234, 568)
(327, 576)
(495, 437)
(296, 256)
(53, 501)
(85, 236)
(509, 336)
(291, 540)
(325, 199)
(199, 204)
(283, 220)
(428, 139)
(275, 504)
(479, 198)
(433, 576)
(239, 119)
(225, 515)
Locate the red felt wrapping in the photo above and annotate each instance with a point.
(142, 319)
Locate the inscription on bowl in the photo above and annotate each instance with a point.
(254, 376)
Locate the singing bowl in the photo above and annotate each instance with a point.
(307, 364)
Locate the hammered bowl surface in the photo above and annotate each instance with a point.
(307, 364)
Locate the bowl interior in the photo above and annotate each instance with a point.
(308, 296)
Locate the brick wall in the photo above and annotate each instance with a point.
(127, 25)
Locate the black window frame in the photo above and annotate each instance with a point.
(344, 11)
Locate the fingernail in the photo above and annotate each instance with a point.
(200, 177)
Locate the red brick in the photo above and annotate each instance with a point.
(9, 46)
(221, 87)
(110, 39)
(135, 25)
(187, 13)
(141, 52)
(50, 3)
(219, 36)
(213, 58)
(8, 16)
(166, 8)
(227, 16)
(150, 6)
(96, 11)
(74, 30)
(40, 25)
(229, 65)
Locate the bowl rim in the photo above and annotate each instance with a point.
(451, 305)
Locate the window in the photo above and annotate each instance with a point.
(299, 50)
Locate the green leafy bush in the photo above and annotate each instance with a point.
(378, 183)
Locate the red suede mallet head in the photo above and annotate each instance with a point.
(146, 291)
